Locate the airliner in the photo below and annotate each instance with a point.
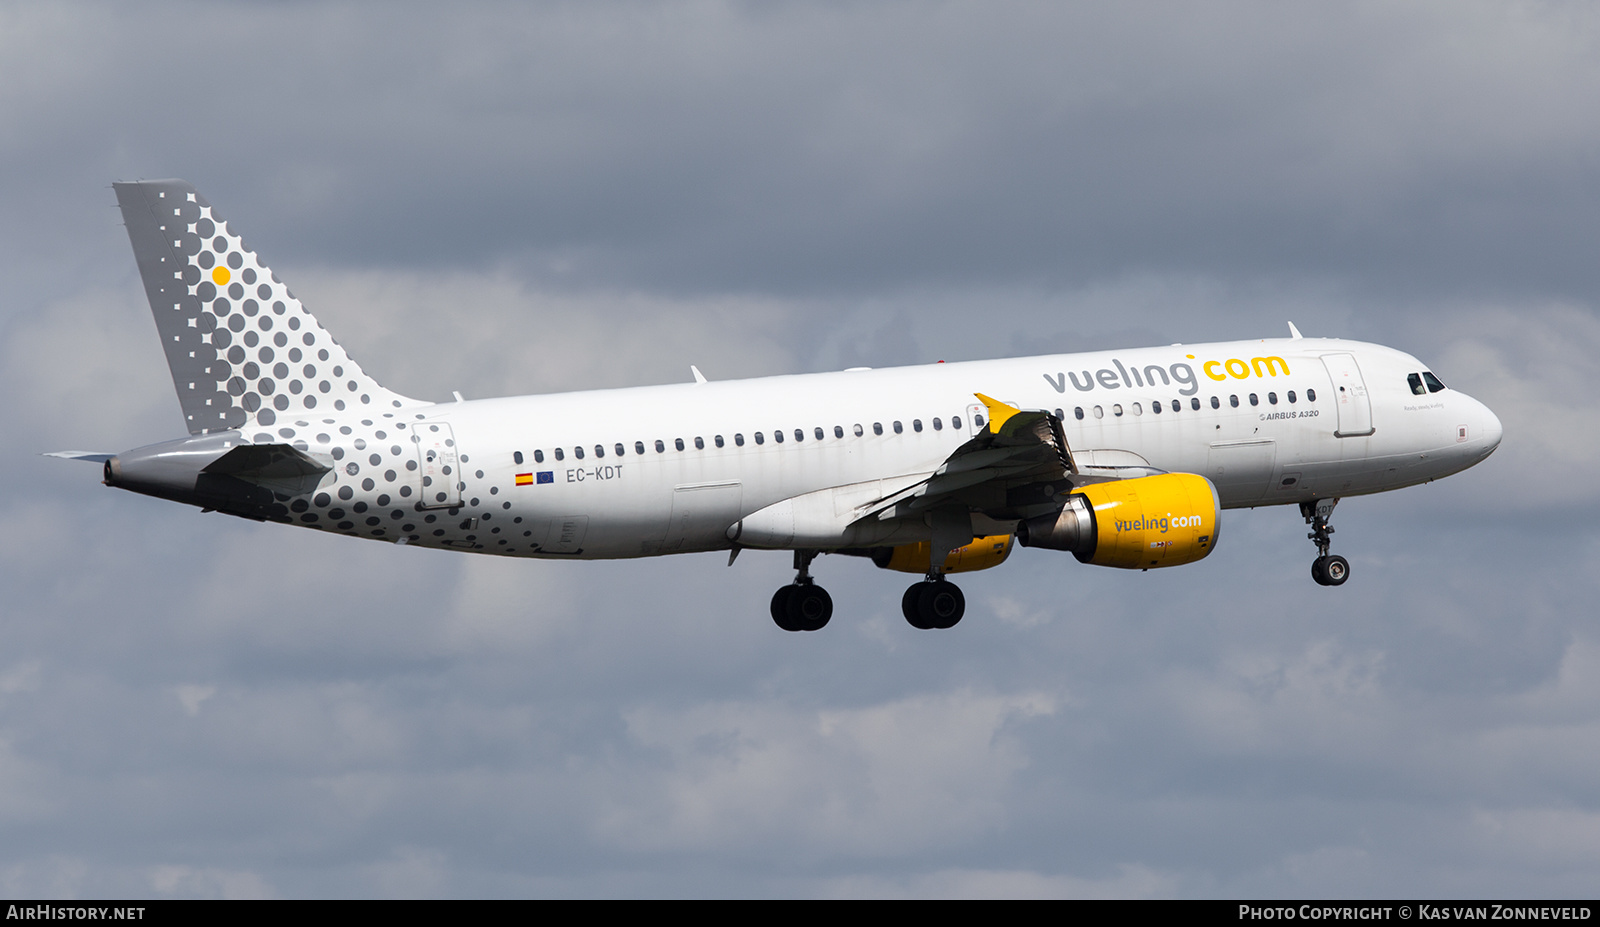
(1121, 458)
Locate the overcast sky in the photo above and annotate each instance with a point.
(512, 198)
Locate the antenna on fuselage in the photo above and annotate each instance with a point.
(1294, 332)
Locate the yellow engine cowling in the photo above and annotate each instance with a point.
(1137, 524)
(981, 554)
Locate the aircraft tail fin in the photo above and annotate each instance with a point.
(242, 349)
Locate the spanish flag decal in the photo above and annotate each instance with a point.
(524, 479)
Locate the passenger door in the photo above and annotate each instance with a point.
(1349, 395)
(439, 470)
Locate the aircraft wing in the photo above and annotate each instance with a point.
(1018, 462)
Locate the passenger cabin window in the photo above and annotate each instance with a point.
(1215, 404)
(799, 434)
(517, 456)
(916, 425)
(1311, 395)
(760, 439)
(599, 450)
(859, 430)
(699, 443)
(577, 452)
(1291, 395)
(1099, 412)
(621, 450)
(937, 425)
(777, 435)
(838, 430)
(738, 440)
(677, 443)
(1177, 406)
(955, 420)
(1272, 399)
(1254, 400)
(1078, 413)
(1433, 382)
(717, 441)
(977, 421)
(1116, 409)
(1234, 400)
(877, 428)
(661, 448)
(638, 447)
(817, 432)
(1417, 387)
(559, 455)
(1155, 407)
(1195, 403)
(1138, 409)
(898, 429)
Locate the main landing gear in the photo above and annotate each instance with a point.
(802, 605)
(936, 603)
(1326, 570)
(805, 606)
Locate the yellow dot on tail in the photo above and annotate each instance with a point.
(220, 275)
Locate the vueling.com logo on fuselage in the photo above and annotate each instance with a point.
(1162, 523)
(1180, 373)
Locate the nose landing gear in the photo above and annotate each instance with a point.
(1327, 570)
(802, 605)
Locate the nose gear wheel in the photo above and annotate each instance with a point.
(1330, 571)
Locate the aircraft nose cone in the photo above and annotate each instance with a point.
(1488, 432)
(1491, 430)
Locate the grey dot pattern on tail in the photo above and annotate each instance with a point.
(278, 360)
(242, 349)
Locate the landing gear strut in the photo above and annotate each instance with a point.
(1326, 570)
(802, 605)
(937, 602)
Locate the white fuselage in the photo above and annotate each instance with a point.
(1258, 434)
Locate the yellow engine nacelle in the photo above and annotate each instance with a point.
(1151, 521)
(981, 554)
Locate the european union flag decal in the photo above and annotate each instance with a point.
(547, 476)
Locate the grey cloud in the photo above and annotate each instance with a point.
(811, 150)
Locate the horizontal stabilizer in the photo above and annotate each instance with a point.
(274, 466)
(95, 456)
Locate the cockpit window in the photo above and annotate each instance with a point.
(1415, 380)
(1433, 382)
